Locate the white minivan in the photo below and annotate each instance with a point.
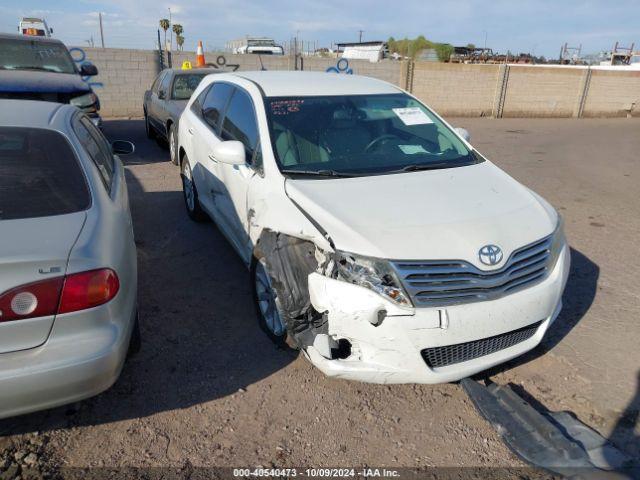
(380, 242)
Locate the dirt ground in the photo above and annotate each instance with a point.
(209, 389)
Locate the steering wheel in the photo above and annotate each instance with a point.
(379, 139)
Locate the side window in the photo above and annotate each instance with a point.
(196, 105)
(215, 103)
(156, 82)
(164, 84)
(97, 147)
(240, 123)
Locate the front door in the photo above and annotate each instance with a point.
(239, 123)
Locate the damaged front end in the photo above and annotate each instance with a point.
(288, 261)
(298, 268)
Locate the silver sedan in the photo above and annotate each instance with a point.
(68, 274)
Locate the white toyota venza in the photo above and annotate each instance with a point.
(380, 242)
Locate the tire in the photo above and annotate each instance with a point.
(265, 301)
(135, 342)
(173, 145)
(151, 134)
(190, 193)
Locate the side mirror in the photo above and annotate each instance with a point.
(230, 152)
(161, 94)
(464, 133)
(122, 147)
(88, 70)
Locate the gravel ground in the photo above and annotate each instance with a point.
(209, 389)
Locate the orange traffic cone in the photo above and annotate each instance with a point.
(200, 55)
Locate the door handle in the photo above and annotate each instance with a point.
(212, 158)
(190, 130)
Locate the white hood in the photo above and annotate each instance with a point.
(430, 215)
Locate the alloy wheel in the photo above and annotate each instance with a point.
(267, 302)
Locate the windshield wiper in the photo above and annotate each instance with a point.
(318, 173)
(423, 166)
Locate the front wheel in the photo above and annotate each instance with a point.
(190, 193)
(265, 300)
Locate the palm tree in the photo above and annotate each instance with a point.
(180, 41)
(177, 29)
(164, 25)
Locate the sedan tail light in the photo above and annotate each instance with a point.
(38, 299)
(70, 293)
(88, 289)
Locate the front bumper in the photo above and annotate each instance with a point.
(83, 356)
(390, 352)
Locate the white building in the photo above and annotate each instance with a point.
(372, 51)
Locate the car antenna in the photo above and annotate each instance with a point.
(261, 65)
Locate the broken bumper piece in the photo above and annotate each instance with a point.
(555, 441)
(386, 340)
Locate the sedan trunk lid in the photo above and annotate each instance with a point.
(33, 250)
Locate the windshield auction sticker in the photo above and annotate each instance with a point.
(412, 116)
(285, 107)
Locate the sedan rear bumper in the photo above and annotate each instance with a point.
(69, 366)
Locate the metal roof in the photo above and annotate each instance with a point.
(297, 83)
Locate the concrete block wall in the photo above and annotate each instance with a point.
(613, 93)
(456, 89)
(450, 89)
(123, 76)
(542, 92)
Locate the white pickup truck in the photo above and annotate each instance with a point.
(34, 26)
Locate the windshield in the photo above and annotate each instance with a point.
(35, 55)
(184, 85)
(261, 43)
(361, 135)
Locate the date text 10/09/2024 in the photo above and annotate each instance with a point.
(317, 472)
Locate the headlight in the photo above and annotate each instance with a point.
(557, 242)
(85, 100)
(371, 273)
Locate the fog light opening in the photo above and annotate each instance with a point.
(342, 351)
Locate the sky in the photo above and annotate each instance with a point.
(540, 27)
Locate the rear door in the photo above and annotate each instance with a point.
(43, 201)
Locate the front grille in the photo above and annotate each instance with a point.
(451, 282)
(451, 354)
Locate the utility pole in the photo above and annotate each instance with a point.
(360, 37)
(171, 31)
(101, 31)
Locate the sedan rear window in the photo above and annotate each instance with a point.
(39, 175)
